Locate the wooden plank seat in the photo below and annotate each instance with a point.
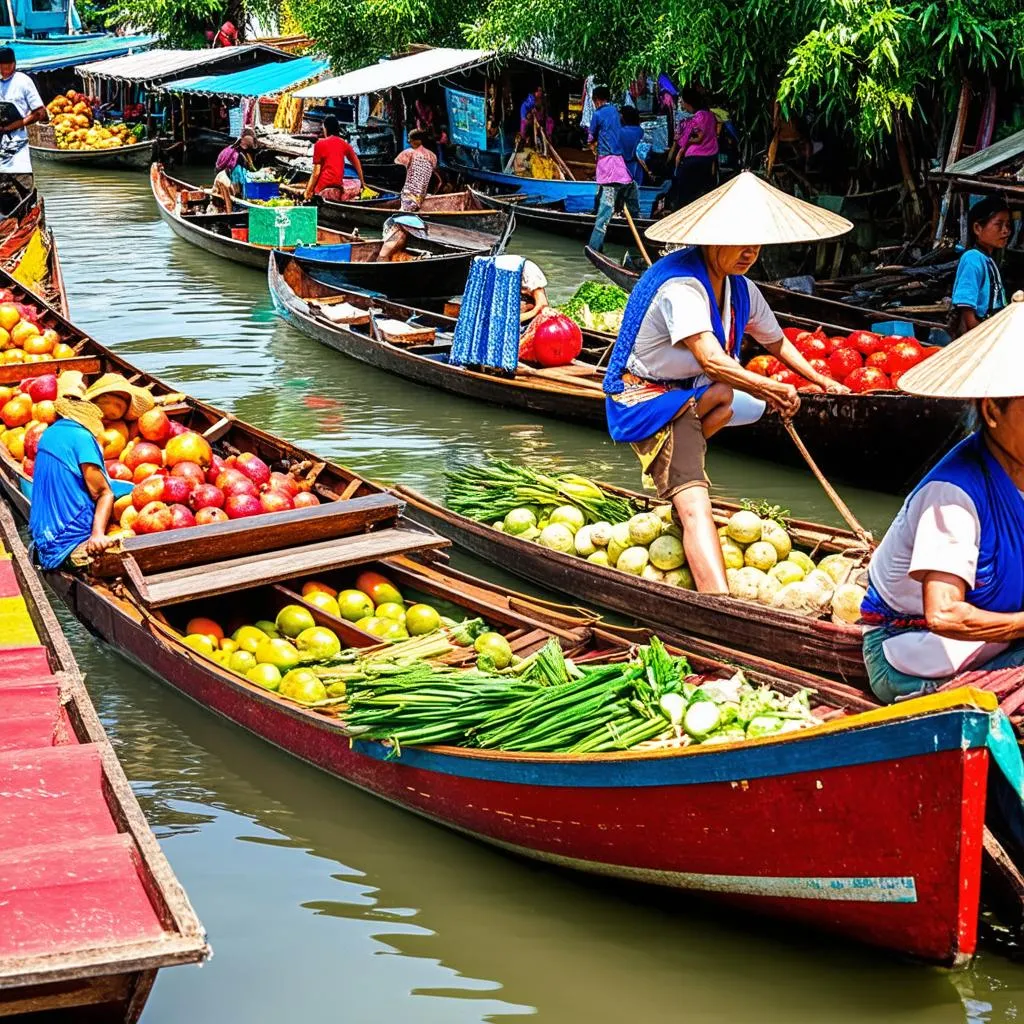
(15, 373)
(23, 662)
(400, 333)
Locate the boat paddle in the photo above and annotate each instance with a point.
(636, 236)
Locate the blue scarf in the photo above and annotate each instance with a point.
(487, 331)
(999, 580)
(643, 419)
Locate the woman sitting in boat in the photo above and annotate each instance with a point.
(234, 164)
(946, 585)
(330, 155)
(72, 495)
(674, 379)
(978, 287)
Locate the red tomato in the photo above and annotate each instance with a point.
(879, 360)
(812, 346)
(792, 333)
(765, 365)
(892, 339)
(867, 378)
(865, 342)
(895, 377)
(831, 344)
(821, 365)
(789, 377)
(903, 355)
(843, 362)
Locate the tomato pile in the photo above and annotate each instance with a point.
(862, 360)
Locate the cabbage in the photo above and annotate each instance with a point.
(786, 572)
(838, 567)
(519, 520)
(846, 602)
(558, 537)
(761, 555)
(599, 558)
(733, 555)
(530, 533)
(767, 589)
(746, 583)
(680, 578)
(744, 527)
(644, 527)
(653, 574)
(570, 515)
(584, 545)
(633, 560)
(600, 534)
(667, 552)
(772, 533)
(801, 559)
(619, 542)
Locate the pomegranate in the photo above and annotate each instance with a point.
(147, 491)
(792, 333)
(28, 467)
(155, 426)
(153, 518)
(178, 428)
(191, 473)
(118, 470)
(275, 501)
(175, 490)
(241, 506)
(228, 475)
(305, 499)
(254, 468)
(189, 447)
(843, 362)
(867, 378)
(32, 436)
(205, 516)
(554, 341)
(181, 517)
(811, 346)
(878, 360)
(142, 451)
(789, 377)
(41, 389)
(144, 470)
(820, 366)
(286, 483)
(240, 485)
(865, 342)
(206, 496)
(217, 466)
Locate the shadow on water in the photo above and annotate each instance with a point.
(325, 904)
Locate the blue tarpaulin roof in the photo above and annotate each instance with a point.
(268, 80)
(40, 55)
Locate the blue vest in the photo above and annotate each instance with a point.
(643, 419)
(999, 580)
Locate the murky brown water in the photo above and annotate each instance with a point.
(324, 904)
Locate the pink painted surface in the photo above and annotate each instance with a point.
(8, 581)
(21, 663)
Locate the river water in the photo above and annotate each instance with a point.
(322, 903)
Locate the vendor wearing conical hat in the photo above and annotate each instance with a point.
(946, 584)
(674, 378)
(72, 496)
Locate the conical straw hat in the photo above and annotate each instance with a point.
(747, 211)
(986, 362)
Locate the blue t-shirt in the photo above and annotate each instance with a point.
(62, 508)
(630, 136)
(978, 284)
(606, 129)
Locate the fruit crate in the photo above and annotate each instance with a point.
(261, 190)
(282, 226)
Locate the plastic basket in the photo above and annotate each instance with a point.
(282, 226)
(261, 190)
(900, 328)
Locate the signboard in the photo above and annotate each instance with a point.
(467, 119)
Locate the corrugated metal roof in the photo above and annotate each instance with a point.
(992, 156)
(160, 65)
(268, 80)
(398, 73)
(40, 55)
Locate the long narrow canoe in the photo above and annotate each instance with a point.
(136, 157)
(90, 909)
(788, 826)
(850, 436)
(28, 250)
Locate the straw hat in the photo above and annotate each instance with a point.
(747, 211)
(986, 362)
(117, 384)
(72, 407)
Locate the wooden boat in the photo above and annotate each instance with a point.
(136, 157)
(28, 250)
(551, 215)
(90, 909)
(183, 207)
(851, 436)
(754, 824)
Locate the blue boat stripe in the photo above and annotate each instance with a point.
(888, 741)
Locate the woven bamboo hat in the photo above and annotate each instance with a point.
(746, 210)
(117, 384)
(986, 362)
(71, 403)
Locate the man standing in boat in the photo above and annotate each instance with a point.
(946, 585)
(330, 155)
(674, 378)
(20, 106)
(616, 185)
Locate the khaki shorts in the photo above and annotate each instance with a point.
(679, 462)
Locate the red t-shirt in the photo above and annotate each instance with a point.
(331, 153)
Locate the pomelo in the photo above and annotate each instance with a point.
(326, 603)
(667, 552)
(557, 537)
(569, 515)
(280, 653)
(633, 560)
(744, 527)
(264, 675)
(644, 527)
(495, 645)
(761, 555)
(354, 605)
(318, 643)
(292, 619)
(421, 619)
(599, 557)
(772, 533)
(519, 520)
(801, 559)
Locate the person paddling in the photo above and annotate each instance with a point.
(946, 585)
(674, 378)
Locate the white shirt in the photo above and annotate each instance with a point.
(937, 530)
(20, 91)
(533, 277)
(680, 309)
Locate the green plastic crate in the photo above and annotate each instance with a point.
(282, 226)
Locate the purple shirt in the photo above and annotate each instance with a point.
(708, 125)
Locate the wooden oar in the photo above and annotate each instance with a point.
(841, 506)
(636, 236)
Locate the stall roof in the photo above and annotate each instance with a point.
(40, 55)
(157, 66)
(267, 80)
(397, 73)
(990, 157)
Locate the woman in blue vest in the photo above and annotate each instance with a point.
(946, 585)
(978, 287)
(674, 378)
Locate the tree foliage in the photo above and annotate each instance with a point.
(184, 23)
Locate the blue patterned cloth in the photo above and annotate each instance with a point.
(487, 331)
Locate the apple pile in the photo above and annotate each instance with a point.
(21, 338)
(863, 361)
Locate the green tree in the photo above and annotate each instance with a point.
(184, 23)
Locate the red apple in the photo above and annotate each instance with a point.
(254, 468)
(206, 496)
(142, 451)
(275, 501)
(305, 499)
(175, 490)
(148, 491)
(239, 485)
(153, 518)
(181, 517)
(217, 466)
(211, 515)
(155, 426)
(241, 506)
(145, 469)
(118, 470)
